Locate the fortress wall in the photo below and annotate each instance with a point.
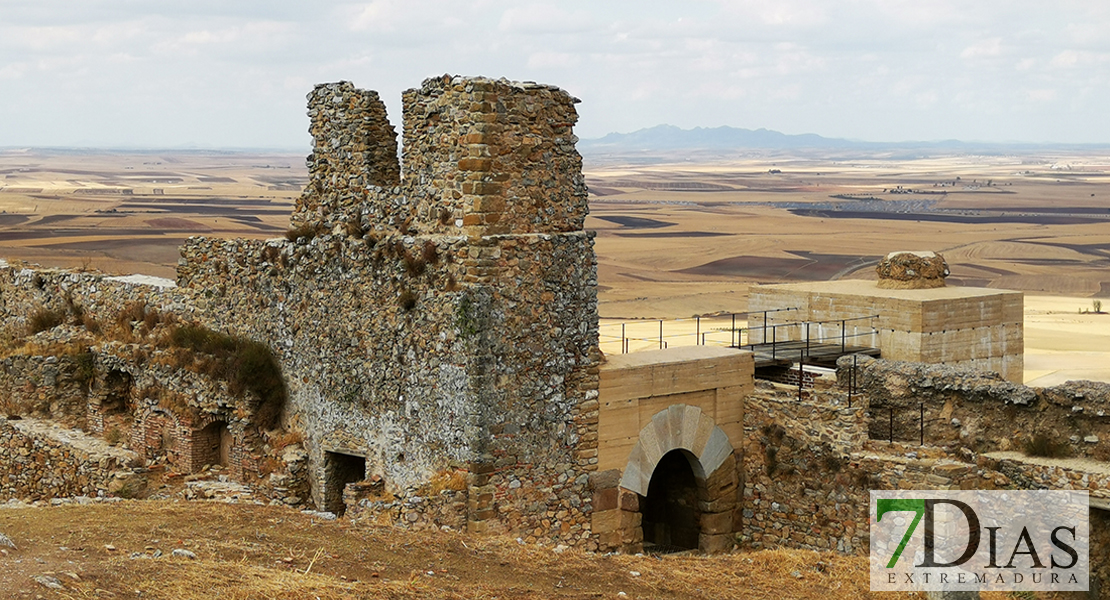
(980, 411)
(492, 369)
(354, 146)
(24, 290)
(39, 460)
(365, 374)
(533, 369)
(487, 157)
(45, 386)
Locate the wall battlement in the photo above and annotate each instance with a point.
(481, 157)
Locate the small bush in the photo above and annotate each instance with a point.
(452, 284)
(247, 365)
(91, 324)
(85, 363)
(1044, 446)
(44, 319)
(282, 440)
(113, 436)
(354, 228)
(414, 266)
(429, 253)
(407, 300)
(1097, 305)
(305, 231)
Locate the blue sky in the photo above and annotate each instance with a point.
(235, 73)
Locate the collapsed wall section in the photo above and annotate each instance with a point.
(354, 148)
(41, 460)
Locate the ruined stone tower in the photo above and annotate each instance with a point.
(436, 325)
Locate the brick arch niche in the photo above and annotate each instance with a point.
(682, 472)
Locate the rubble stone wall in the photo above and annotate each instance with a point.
(981, 411)
(424, 328)
(24, 290)
(41, 460)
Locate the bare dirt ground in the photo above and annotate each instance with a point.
(247, 551)
(125, 550)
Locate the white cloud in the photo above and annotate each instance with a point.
(986, 48)
(237, 72)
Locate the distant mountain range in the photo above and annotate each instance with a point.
(662, 138)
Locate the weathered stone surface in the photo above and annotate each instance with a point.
(912, 270)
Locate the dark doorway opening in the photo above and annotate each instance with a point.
(213, 445)
(339, 470)
(117, 393)
(670, 509)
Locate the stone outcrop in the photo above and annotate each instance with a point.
(912, 270)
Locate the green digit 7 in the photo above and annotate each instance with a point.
(885, 505)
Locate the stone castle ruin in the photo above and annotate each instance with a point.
(422, 350)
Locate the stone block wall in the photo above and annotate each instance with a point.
(970, 327)
(979, 410)
(40, 460)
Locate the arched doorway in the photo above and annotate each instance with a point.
(671, 512)
(684, 470)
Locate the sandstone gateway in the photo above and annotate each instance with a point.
(422, 350)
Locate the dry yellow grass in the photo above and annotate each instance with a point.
(246, 551)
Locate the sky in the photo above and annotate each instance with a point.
(234, 73)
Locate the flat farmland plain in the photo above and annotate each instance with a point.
(127, 212)
(682, 239)
(674, 239)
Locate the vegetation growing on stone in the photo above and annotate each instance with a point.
(1043, 445)
(247, 365)
(44, 319)
(306, 232)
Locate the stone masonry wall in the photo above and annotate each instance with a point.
(24, 290)
(39, 460)
(354, 147)
(487, 157)
(417, 348)
(979, 410)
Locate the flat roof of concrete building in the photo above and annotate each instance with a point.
(870, 288)
(677, 354)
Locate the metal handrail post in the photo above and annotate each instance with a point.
(660, 334)
(697, 330)
(624, 344)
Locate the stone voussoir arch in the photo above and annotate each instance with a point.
(678, 427)
(712, 459)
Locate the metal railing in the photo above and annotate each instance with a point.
(808, 339)
(728, 329)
